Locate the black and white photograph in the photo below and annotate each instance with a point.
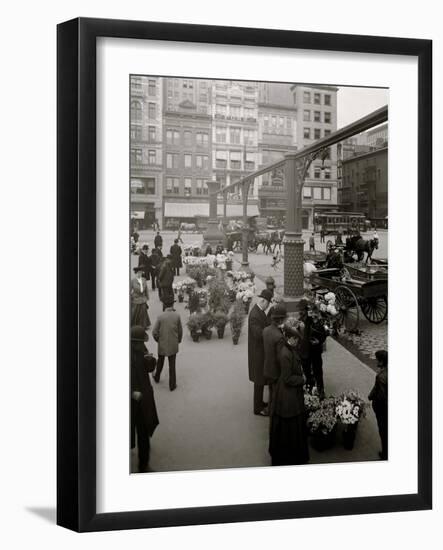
(258, 237)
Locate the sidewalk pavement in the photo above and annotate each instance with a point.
(207, 422)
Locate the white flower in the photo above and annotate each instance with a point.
(330, 297)
(322, 307)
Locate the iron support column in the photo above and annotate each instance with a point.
(293, 242)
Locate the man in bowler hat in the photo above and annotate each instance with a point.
(256, 355)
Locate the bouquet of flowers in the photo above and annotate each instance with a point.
(220, 261)
(245, 291)
(322, 309)
(324, 419)
(239, 276)
(187, 284)
(312, 402)
(350, 407)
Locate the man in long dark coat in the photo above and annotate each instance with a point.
(144, 418)
(176, 253)
(158, 240)
(256, 323)
(144, 261)
(272, 341)
(165, 280)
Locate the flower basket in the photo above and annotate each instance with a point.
(350, 407)
(322, 424)
(195, 323)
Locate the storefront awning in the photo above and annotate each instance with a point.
(201, 209)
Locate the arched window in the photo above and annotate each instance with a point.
(136, 111)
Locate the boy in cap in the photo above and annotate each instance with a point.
(379, 398)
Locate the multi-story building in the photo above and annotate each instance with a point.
(363, 146)
(365, 184)
(185, 132)
(292, 117)
(187, 138)
(277, 135)
(146, 145)
(235, 126)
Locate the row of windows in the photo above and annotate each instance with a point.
(189, 186)
(315, 133)
(236, 111)
(201, 138)
(316, 97)
(317, 193)
(137, 111)
(136, 83)
(137, 156)
(145, 186)
(234, 164)
(235, 135)
(327, 117)
(174, 160)
(137, 133)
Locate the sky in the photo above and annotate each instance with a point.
(354, 103)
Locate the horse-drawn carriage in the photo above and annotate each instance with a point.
(356, 290)
(257, 235)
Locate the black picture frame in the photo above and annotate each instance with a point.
(76, 280)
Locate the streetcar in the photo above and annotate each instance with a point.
(346, 223)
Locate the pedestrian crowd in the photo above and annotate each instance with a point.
(285, 354)
(167, 332)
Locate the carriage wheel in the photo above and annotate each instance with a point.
(347, 306)
(329, 245)
(375, 309)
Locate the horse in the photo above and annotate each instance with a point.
(359, 246)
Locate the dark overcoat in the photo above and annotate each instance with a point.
(158, 241)
(144, 261)
(256, 354)
(287, 397)
(166, 275)
(141, 382)
(272, 341)
(176, 253)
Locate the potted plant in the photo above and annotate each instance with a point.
(350, 408)
(236, 320)
(195, 326)
(322, 424)
(194, 302)
(218, 295)
(220, 319)
(207, 322)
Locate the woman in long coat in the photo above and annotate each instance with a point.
(139, 299)
(288, 442)
(144, 418)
